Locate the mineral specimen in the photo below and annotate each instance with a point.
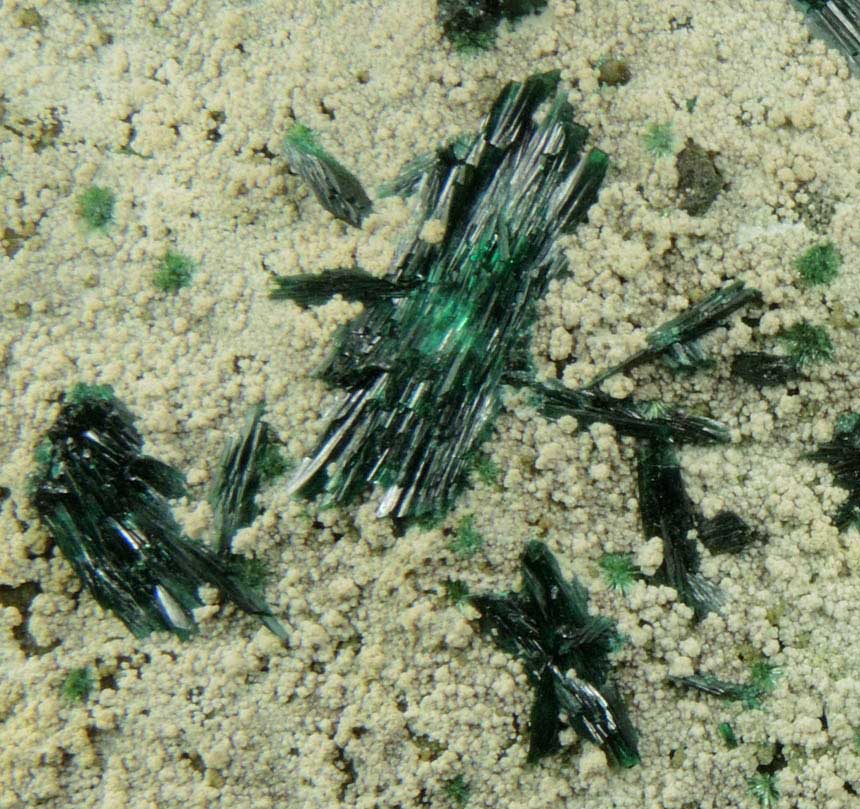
(565, 652)
(338, 191)
(676, 342)
(104, 504)
(472, 23)
(422, 365)
(842, 455)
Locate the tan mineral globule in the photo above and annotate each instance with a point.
(387, 694)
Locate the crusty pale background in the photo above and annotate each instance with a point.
(386, 692)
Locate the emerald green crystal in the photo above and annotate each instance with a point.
(104, 503)
(764, 370)
(727, 734)
(668, 512)
(836, 22)
(422, 366)
(565, 651)
(640, 419)
(761, 682)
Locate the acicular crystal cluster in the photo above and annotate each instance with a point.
(565, 651)
(422, 366)
(105, 505)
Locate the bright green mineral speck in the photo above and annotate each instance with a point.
(174, 272)
(660, 139)
(95, 207)
(820, 264)
(807, 343)
(77, 685)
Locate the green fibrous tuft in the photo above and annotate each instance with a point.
(487, 470)
(174, 272)
(807, 344)
(77, 685)
(467, 541)
(458, 791)
(105, 505)
(273, 463)
(619, 571)
(660, 139)
(820, 264)
(727, 734)
(565, 651)
(95, 207)
(335, 188)
(764, 789)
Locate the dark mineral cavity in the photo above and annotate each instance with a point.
(667, 511)
(699, 179)
(335, 188)
(565, 652)
(104, 503)
(473, 23)
(764, 370)
(837, 22)
(842, 455)
(421, 368)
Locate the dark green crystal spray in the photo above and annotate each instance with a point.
(565, 652)
(422, 366)
(104, 504)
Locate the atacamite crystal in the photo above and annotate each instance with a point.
(837, 22)
(676, 341)
(335, 188)
(565, 652)
(104, 503)
(668, 512)
(842, 455)
(472, 23)
(422, 365)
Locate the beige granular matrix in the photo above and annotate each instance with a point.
(386, 693)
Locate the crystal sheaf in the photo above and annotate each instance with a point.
(105, 505)
(566, 655)
(421, 367)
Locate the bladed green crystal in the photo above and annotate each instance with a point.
(667, 511)
(837, 22)
(335, 188)
(471, 24)
(422, 366)
(675, 341)
(103, 502)
(842, 455)
(565, 651)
